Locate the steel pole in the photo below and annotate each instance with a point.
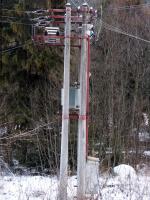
(65, 108)
(81, 161)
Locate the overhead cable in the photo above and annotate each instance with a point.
(21, 11)
(129, 7)
(9, 17)
(6, 123)
(14, 48)
(27, 133)
(99, 23)
(10, 22)
(117, 30)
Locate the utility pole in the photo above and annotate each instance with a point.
(81, 162)
(23, 2)
(49, 4)
(80, 96)
(65, 108)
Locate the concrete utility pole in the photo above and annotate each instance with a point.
(82, 113)
(65, 109)
(49, 4)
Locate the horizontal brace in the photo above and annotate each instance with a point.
(57, 45)
(65, 117)
(57, 22)
(42, 37)
(57, 10)
(57, 16)
(71, 117)
(63, 17)
(63, 22)
(61, 10)
(93, 11)
(83, 117)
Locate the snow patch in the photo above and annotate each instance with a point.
(125, 172)
(144, 136)
(146, 119)
(146, 153)
(44, 188)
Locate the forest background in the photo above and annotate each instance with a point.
(31, 81)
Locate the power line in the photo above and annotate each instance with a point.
(129, 7)
(117, 30)
(10, 17)
(13, 48)
(16, 23)
(25, 11)
(28, 133)
(17, 11)
(99, 23)
(6, 123)
(28, 42)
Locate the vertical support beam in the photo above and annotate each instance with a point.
(81, 162)
(33, 30)
(65, 108)
(88, 93)
(49, 4)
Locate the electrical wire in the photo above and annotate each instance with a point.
(14, 48)
(6, 123)
(99, 23)
(28, 133)
(16, 23)
(9, 17)
(116, 29)
(129, 7)
(25, 12)
(18, 11)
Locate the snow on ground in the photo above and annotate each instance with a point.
(116, 189)
(125, 172)
(146, 153)
(27, 187)
(46, 188)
